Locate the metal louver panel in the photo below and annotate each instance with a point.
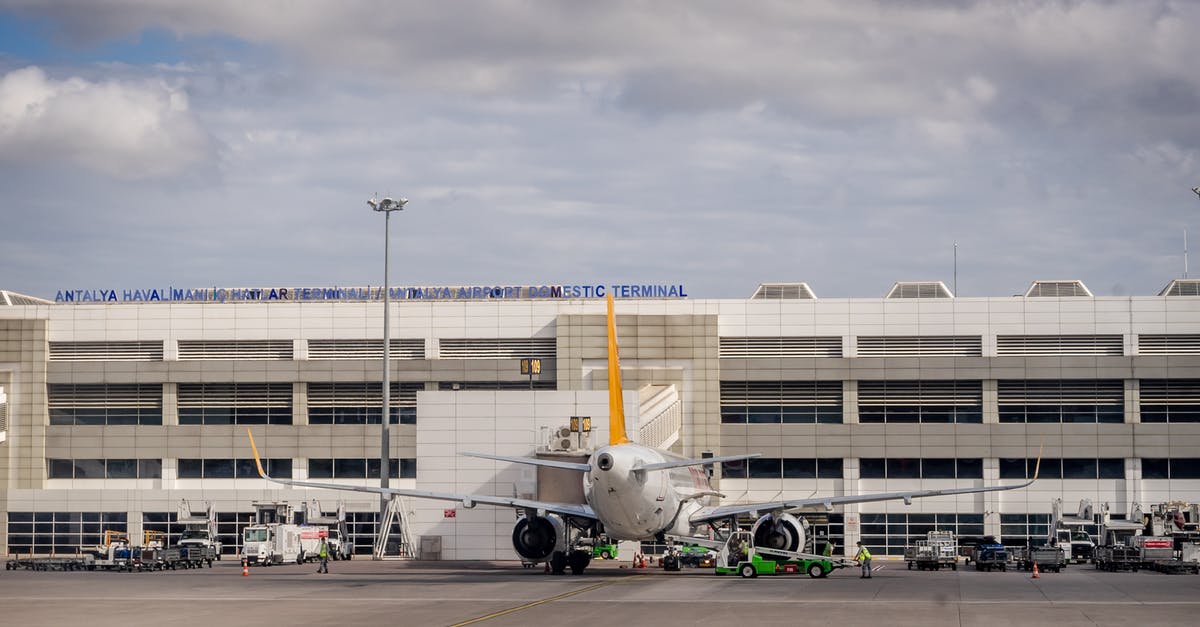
(234, 349)
(235, 395)
(933, 289)
(1182, 287)
(364, 394)
(541, 348)
(1082, 392)
(1170, 391)
(1057, 289)
(921, 346)
(106, 351)
(102, 396)
(783, 291)
(906, 393)
(365, 349)
(1169, 344)
(1043, 345)
(751, 347)
(790, 393)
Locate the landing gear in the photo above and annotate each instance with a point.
(578, 561)
(558, 563)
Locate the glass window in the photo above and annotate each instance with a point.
(89, 469)
(829, 467)
(60, 468)
(245, 469)
(1079, 468)
(904, 468)
(969, 468)
(150, 468)
(408, 468)
(191, 468)
(1185, 468)
(764, 468)
(830, 415)
(733, 415)
(320, 468)
(937, 468)
(872, 468)
(799, 469)
(279, 468)
(1050, 468)
(1156, 468)
(763, 415)
(1111, 468)
(1012, 468)
(734, 470)
(218, 469)
(122, 469)
(348, 468)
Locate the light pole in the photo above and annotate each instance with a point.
(387, 206)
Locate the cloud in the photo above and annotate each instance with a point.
(142, 130)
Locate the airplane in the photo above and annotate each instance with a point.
(636, 492)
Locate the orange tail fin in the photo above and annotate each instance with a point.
(616, 405)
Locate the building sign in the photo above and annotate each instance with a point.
(369, 294)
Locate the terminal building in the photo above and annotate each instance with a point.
(117, 405)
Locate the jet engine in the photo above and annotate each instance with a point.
(782, 531)
(535, 538)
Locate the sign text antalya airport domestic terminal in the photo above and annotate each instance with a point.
(309, 294)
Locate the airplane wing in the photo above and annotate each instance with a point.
(708, 514)
(827, 503)
(580, 510)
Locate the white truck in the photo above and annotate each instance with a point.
(200, 530)
(272, 543)
(1067, 532)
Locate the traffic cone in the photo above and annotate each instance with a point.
(1035, 572)
(245, 568)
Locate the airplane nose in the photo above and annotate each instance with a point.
(604, 462)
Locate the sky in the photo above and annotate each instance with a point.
(711, 144)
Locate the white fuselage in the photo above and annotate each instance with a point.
(638, 505)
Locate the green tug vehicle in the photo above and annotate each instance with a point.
(739, 556)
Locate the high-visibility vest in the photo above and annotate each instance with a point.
(324, 551)
(863, 554)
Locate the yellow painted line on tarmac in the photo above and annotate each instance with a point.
(546, 600)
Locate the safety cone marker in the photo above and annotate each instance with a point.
(245, 568)
(1035, 572)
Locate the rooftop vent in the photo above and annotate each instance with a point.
(13, 298)
(919, 289)
(1057, 289)
(783, 291)
(1182, 287)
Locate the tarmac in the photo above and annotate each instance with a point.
(610, 593)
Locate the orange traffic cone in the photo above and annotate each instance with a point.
(1035, 572)
(245, 568)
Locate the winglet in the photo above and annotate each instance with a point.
(1037, 467)
(616, 404)
(257, 462)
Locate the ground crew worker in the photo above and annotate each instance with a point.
(864, 558)
(324, 555)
